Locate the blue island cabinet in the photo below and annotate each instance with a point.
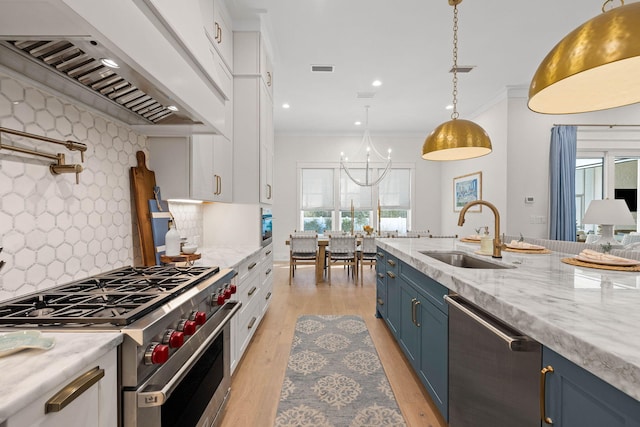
(417, 316)
(576, 398)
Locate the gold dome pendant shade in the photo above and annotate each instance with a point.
(595, 67)
(456, 139)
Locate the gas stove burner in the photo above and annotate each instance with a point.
(110, 312)
(39, 312)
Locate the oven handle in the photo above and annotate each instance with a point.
(158, 398)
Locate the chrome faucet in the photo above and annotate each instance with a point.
(497, 244)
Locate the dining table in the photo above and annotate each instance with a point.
(323, 242)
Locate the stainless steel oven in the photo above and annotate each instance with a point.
(191, 392)
(174, 361)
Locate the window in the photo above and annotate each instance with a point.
(602, 175)
(317, 201)
(328, 197)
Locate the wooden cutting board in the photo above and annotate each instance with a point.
(143, 181)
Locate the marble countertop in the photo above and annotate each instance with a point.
(226, 256)
(590, 316)
(28, 374)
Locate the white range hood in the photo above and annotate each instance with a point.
(59, 43)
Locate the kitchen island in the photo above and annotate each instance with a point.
(589, 316)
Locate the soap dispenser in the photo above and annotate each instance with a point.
(172, 240)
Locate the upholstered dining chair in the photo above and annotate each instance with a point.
(342, 251)
(303, 249)
(367, 254)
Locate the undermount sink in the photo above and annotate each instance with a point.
(463, 260)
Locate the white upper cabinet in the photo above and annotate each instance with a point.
(188, 23)
(199, 167)
(217, 24)
(252, 57)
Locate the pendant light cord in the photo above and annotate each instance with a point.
(454, 114)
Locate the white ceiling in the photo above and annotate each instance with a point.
(407, 44)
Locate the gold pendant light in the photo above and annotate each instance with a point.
(456, 139)
(595, 67)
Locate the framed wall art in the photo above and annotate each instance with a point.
(467, 188)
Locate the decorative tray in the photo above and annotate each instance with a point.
(525, 246)
(577, 262)
(16, 341)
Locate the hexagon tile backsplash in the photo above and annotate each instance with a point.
(52, 230)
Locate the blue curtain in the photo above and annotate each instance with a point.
(562, 216)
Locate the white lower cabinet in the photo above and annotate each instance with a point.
(254, 289)
(97, 406)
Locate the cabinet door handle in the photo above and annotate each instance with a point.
(415, 315)
(268, 253)
(251, 266)
(268, 191)
(543, 397)
(220, 182)
(268, 295)
(381, 276)
(73, 390)
(252, 291)
(269, 78)
(218, 33)
(391, 262)
(380, 301)
(380, 255)
(413, 311)
(390, 274)
(267, 272)
(218, 185)
(252, 322)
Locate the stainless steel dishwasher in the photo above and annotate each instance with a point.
(494, 371)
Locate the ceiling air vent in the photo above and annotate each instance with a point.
(463, 68)
(322, 68)
(365, 95)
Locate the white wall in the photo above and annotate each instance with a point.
(293, 149)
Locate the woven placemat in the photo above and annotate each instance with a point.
(464, 239)
(577, 262)
(528, 251)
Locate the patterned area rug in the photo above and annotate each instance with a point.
(334, 377)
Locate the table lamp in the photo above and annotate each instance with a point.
(607, 213)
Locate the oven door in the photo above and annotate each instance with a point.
(189, 393)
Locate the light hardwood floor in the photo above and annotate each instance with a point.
(256, 383)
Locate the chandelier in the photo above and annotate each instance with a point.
(456, 139)
(366, 146)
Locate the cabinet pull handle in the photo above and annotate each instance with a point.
(268, 295)
(380, 301)
(220, 182)
(390, 274)
(218, 185)
(543, 387)
(252, 322)
(252, 291)
(391, 262)
(73, 390)
(415, 309)
(380, 275)
(251, 266)
(380, 255)
(267, 272)
(268, 191)
(218, 33)
(269, 78)
(268, 253)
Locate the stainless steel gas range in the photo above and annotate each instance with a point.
(174, 363)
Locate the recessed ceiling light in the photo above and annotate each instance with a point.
(357, 123)
(108, 62)
(449, 107)
(285, 106)
(172, 108)
(376, 83)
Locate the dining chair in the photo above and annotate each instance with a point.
(342, 251)
(303, 250)
(367, 254)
